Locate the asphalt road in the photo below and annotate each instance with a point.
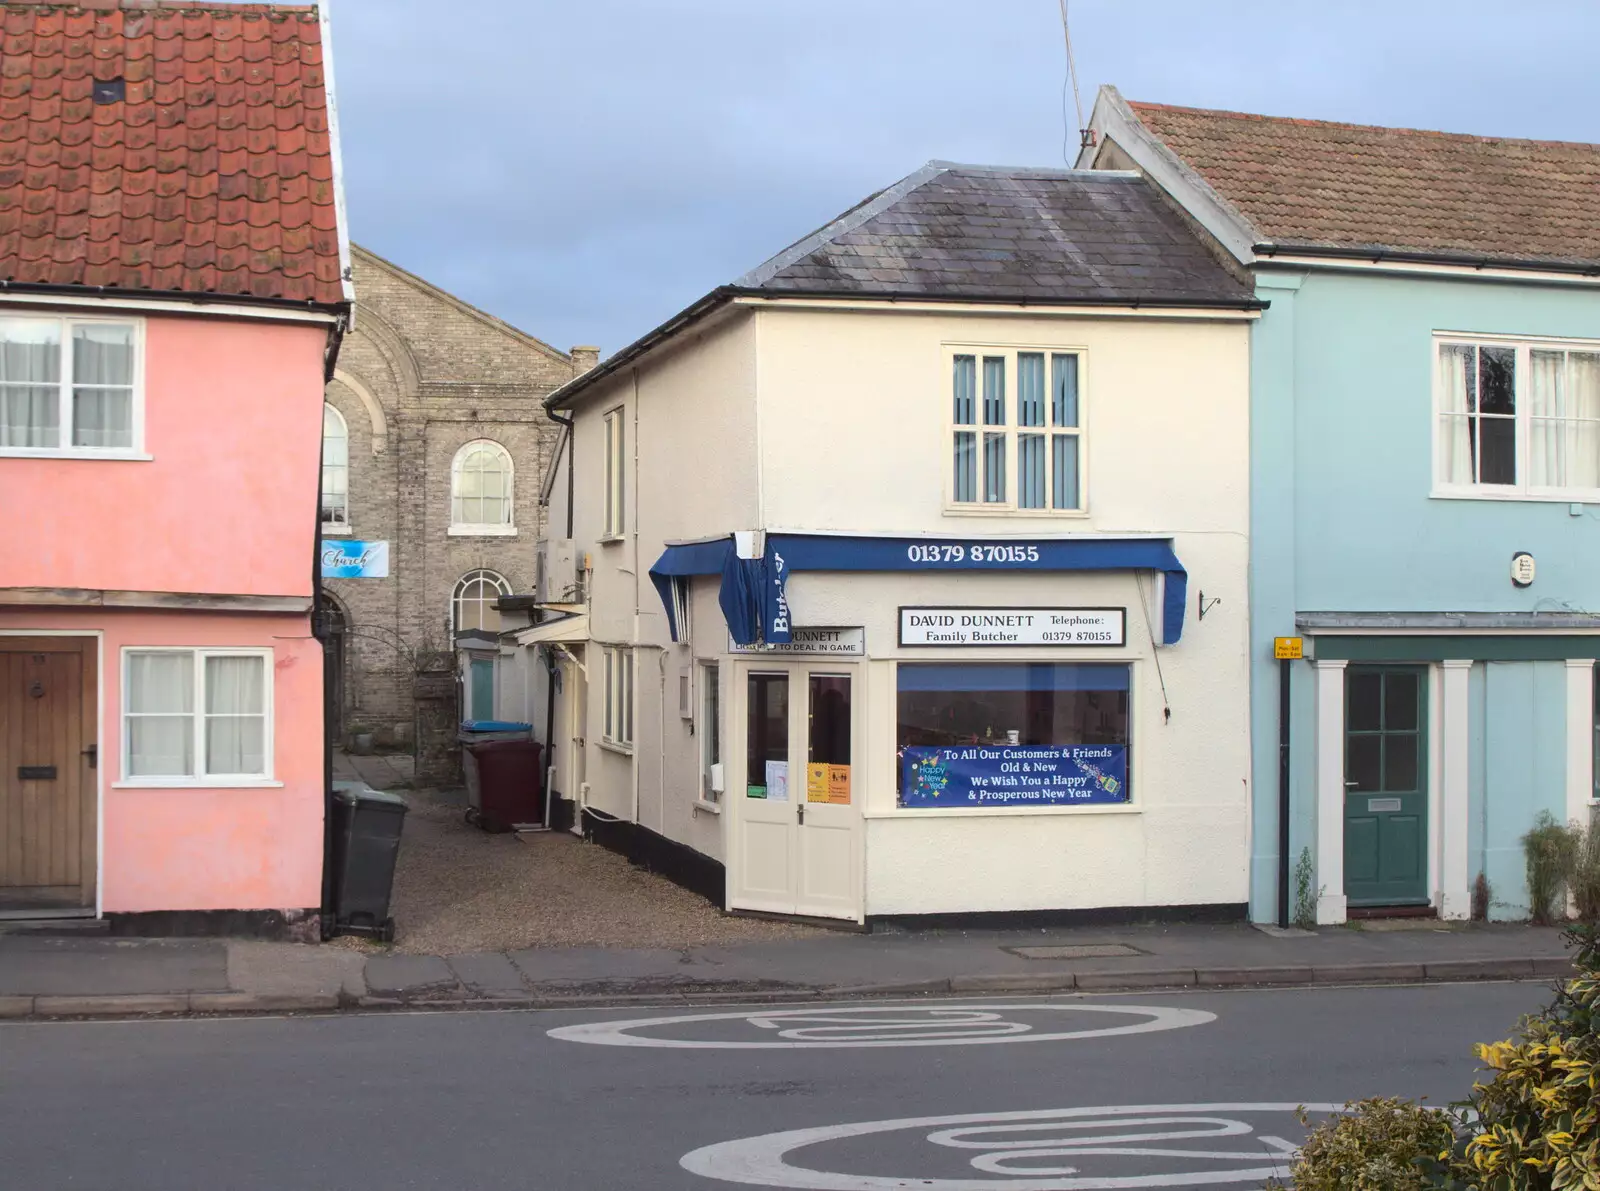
(492, 1102)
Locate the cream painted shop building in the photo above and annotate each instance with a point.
(906, 576)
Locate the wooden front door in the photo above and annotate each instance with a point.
(1386, 786)
(48, 755)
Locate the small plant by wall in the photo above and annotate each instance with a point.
(1482, 895)
(1305, 897)
(1551, 852)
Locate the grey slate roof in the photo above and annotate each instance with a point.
(974, 233)
(985, 233)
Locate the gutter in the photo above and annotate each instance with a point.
(193, 297)
(563, 397)
(1270, 249)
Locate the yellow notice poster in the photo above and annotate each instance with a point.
(828, 783)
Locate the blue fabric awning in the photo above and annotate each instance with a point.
(826, 552)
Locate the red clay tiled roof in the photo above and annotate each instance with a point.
(213, 176)
(1313, 183)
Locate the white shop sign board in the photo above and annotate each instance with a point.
(812, 642)
(1013, 626)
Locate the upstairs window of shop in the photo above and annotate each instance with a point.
(1517, 419)
(335, 471)
(70, 387)
(481, 490)
(1016, 431)
(616, 437)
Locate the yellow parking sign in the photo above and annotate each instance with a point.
(1288, 648)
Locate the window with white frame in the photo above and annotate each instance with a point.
(1016, 430)
(710, 731)
(335, 469)
(1518, 417)
(616, 437)
(472, 604)
(69, 386)
(196, 715)
(481, 489)
(617, 689)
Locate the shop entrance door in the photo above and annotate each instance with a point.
(1386, 786)
(795, 822)
(48, 693)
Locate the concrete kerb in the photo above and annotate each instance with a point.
(204, 1004)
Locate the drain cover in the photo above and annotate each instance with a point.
(1075, 951)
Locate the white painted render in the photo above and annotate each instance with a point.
(798, 419)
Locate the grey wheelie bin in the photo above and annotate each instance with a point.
(366, 840)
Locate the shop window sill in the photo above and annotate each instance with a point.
(622, 750)
(1003, 812)
(710, 808)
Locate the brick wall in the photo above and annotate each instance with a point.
(421, 374)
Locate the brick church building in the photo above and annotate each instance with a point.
(434, 445)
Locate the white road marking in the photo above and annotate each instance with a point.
(1037, 1163)
(880, 1026)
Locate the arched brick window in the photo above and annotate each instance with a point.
(480, 489)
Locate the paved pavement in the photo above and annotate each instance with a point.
(491, 1101)
(381, 771)
(82, 976)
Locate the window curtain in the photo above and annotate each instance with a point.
(236, 720)
(1583, 406)
(964, 383)
(1547, 425)
(1457, 371)
(160, 714)
(30, 384)
(102, 386)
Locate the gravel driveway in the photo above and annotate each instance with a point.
(458, 889)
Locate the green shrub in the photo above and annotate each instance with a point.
(1375, 1145)
(1538, 1118)
(1533, 1126)
(1585, 882)
(1551, 851)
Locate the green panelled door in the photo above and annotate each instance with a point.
(1386, 786)
(482, 689)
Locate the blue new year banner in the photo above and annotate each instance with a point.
(1014, 775)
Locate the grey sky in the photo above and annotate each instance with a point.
(584, 168)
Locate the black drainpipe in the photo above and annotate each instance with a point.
(550, 665)
(319, 631)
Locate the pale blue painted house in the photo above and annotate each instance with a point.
(1425, 476)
